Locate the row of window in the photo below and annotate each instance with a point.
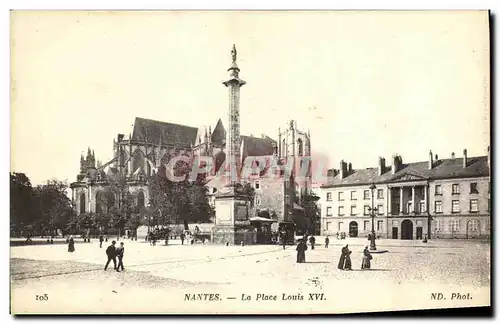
(354, 211)
(438, 208)
(366, 226)
(455, 189)
(354, 194)
(472, 225)
(455, 206)
(438, 190)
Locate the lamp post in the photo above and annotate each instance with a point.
(373, 211)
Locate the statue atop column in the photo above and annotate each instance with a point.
(234, 53)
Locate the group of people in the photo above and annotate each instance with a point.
(113, 252)
(345, 256)
(345, 259)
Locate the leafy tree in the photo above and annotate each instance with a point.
(309, 201)
(52, 205)
(21, 201)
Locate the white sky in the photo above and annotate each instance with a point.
(380, 82)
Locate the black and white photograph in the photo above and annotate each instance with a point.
(249, 162)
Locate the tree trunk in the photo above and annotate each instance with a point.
(186, 225)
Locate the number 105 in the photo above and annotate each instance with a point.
(44, 297)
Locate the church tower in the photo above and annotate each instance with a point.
(295, 144)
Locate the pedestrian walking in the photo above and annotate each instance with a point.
(111, 254)
(120, 251)
(283, 239)
(183, 236)
(327, 241)
(71, 244)
(312, 240)
(101, 239)
(366, 264)
(301, 252)
(425, 239)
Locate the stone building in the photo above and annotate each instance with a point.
(152, 144)
(440, 198)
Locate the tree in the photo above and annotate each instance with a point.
(87, 222)
(179, 202)
(53, 206)
(309, 201)
(21, 201)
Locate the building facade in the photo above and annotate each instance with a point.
(438, 198)
(153, 144)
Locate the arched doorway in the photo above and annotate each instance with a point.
(407, 230)
(353, 229)
(473, 229)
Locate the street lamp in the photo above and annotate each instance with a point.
(373, 211)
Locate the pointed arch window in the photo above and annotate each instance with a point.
(82, 203)
(140, 199)
(300, 146)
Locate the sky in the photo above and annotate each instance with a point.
(366, 84)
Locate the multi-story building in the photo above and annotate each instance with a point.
(438, 198)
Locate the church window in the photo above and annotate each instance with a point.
(300, 147)
(82, 203)
(140, 199)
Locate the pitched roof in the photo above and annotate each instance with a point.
(219, 133)
(151, 131)
(443, 169)
(255, 146)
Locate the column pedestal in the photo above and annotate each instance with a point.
(232, 224)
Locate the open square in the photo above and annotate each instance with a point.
(174, 278)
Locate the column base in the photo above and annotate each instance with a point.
(234, 235)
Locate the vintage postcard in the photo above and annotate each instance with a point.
(249, 162)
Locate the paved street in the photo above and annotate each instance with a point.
(157, 278)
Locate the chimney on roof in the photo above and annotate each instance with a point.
(381, 165)
(452, 155)
(431, 162)
(396, 163)
(465, 158)
(350, 167)
(436, 158)
(343, 169)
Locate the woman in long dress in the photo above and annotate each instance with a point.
(71, 245)
(342, 258)
(301, 252)
(348, 264)
(365, 264)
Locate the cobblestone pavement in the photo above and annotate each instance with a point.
(157, 278)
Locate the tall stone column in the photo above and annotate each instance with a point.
(233, 139)
(414, 209)
(401, 207)
(232, 224)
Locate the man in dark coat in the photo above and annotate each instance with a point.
(120, 251)
(71, 244)
(327, 241)
(312, 240)
(111, 253)
(101, 239)
(183, 236)
(301, 252)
